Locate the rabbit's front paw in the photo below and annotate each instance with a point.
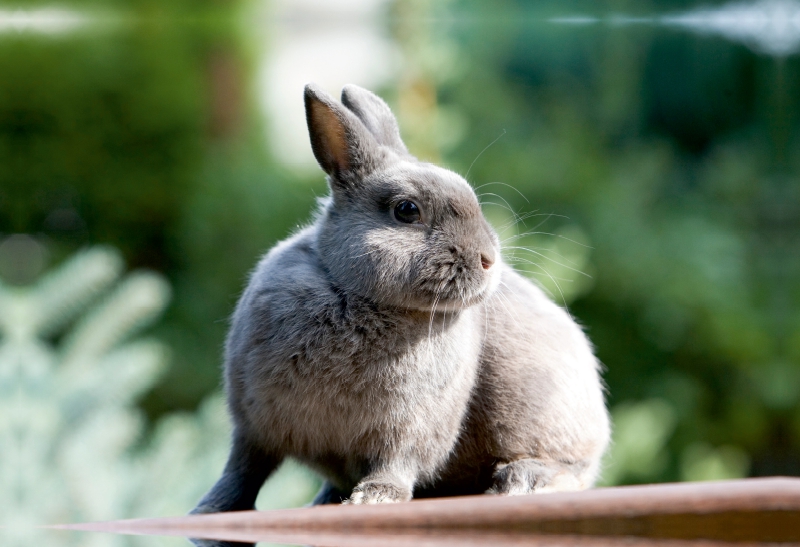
(370, 492)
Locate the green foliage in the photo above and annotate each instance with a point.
(641, 431)
(72, 442)
(120, 135)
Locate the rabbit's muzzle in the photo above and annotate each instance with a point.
(457, 276)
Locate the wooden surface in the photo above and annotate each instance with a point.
(744, 511)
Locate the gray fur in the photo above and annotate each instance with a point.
(387, 357)
(375, 115)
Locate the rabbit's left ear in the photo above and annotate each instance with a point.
(375, 115)
(344, 148)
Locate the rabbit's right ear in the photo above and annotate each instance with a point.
(375, 114)
(341, 143)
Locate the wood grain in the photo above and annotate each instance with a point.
(742, 511)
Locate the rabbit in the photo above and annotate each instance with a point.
(388, 346)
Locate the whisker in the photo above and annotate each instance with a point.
(482, 151)
(482, 203)
(485, 322)
(555, 281)
(433, 312)
(530, 262)
(431, 353)
(551, 260)
(536, 250)
(516, 215)
(518, 236)
(504, 184)
(547, 217)
(522, 218)
(504, 300)
(525, 234)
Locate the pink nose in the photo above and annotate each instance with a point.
(486, 262)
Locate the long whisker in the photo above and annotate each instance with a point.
(522, 218)
(524, 234)
(516, 215)
(504, 184)
(503, 299)
(519, 260)
(485, 321)
(546, 216)
(482, 151)
(433, 312)
(431, 352)
(551, 260)
(554, 280)
(506, 207)
(540, 250)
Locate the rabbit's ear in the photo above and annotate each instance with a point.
(375, 114)
(339, 139)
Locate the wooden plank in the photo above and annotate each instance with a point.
(743, 511)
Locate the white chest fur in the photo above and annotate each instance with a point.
(342, 390)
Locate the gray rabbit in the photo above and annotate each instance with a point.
(388, 347)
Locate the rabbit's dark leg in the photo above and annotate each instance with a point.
(247, 468)
(530, 475)
(328, 495)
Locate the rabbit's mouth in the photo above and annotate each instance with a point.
(449, 301)
(458, 288)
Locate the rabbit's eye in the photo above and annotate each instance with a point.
(406, 211)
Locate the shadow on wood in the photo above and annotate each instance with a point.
(744, 511)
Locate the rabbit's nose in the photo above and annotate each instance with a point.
(486, 261)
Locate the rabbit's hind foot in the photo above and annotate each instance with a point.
(529, 475)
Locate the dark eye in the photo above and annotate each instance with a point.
(406, 211)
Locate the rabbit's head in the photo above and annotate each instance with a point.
(396, 230)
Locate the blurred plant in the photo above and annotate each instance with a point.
(702, 462)
(71, 438)
(640, 452)
(641, 432)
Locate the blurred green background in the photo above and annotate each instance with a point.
(645, 173)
